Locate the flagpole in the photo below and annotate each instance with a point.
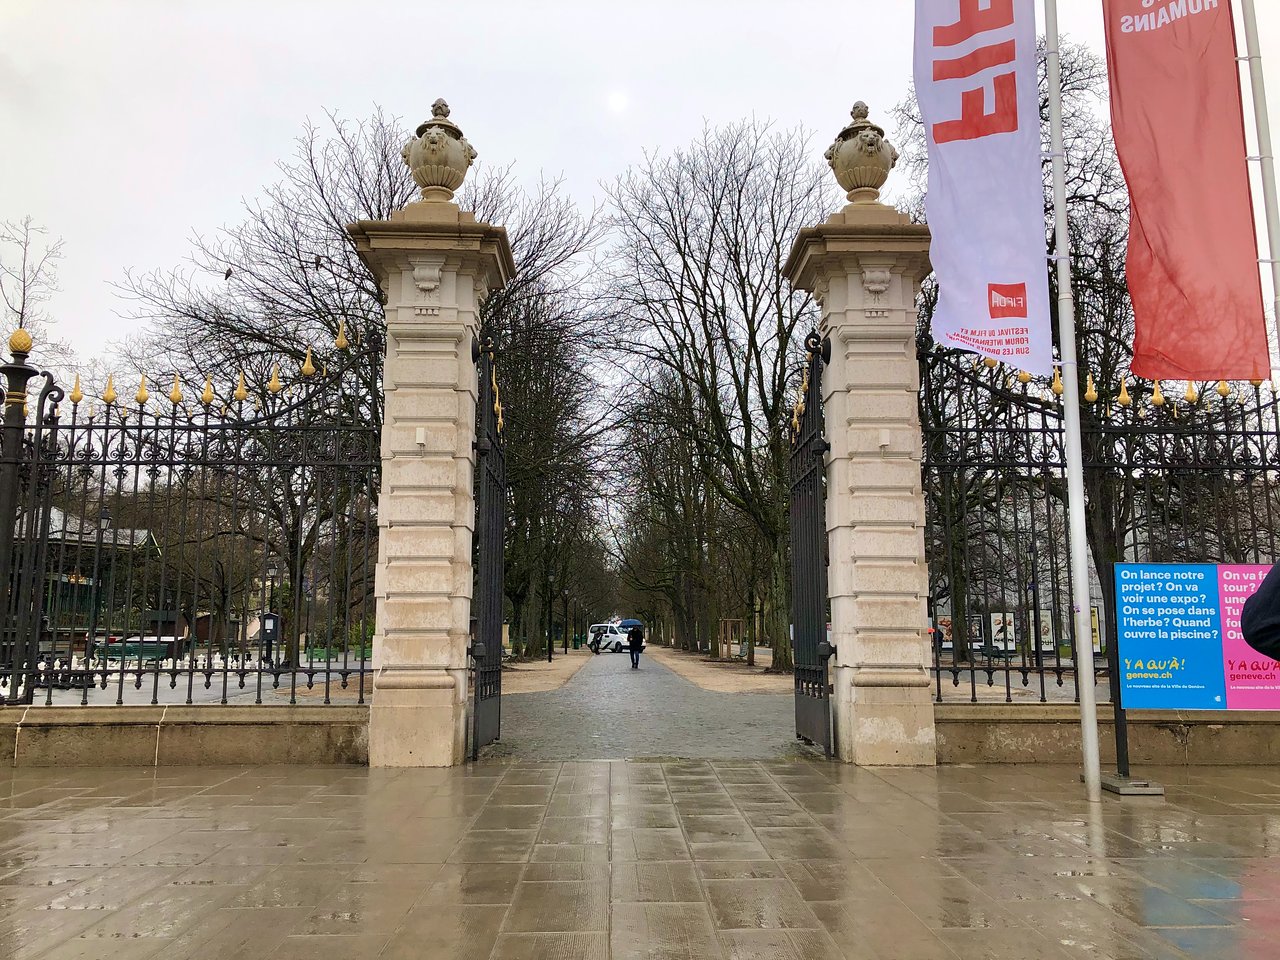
(1271, 203)
(1077, 542)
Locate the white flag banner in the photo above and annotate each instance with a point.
(975, 73)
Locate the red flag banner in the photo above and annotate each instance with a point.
(1193, 250)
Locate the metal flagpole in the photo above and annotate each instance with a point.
(1071, 408)
(1266, 156)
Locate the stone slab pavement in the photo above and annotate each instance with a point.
(609, 711)
(614, 860)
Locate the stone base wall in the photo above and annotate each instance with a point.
(1020, 733)
(183, 736)
(212, 735)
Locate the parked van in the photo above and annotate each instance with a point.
(611, 636)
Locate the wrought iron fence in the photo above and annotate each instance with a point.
(1188, 477)
(186, 547)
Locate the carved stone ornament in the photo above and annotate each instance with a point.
(861, 157)
(439, 156)
(875, 280)
(426, 277)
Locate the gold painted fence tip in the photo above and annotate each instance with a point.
(20, 341)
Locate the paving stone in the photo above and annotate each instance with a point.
(670, 860)
(610, 711)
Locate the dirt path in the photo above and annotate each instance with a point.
(723, 676)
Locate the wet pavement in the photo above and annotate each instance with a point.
(735, 860)
(609, 711)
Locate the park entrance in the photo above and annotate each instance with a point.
(656, 710)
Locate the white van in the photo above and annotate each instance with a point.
(610, 635)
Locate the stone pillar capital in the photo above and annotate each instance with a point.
(429, 229)
(859, 239)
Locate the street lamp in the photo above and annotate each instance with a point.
(91, 639)
(267, 625)
(564, 619)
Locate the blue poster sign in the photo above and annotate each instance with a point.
(1169, 625)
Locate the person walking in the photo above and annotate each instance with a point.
(635, 643)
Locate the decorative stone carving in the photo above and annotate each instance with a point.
(426, 277)
(861, 157)
(440, 156)
(875, 280)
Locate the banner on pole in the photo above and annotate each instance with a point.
(975, 75)
(1178, 119)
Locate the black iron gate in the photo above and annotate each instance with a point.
(812, 650)
(491, 500)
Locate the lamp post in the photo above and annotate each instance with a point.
(564, 618)
(91, 639)
(1036, 626)
(266, 634)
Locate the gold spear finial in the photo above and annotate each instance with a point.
(207, 397)
(275, 386)
(109, 395)
(1024, 377)
(1057, 382)
(1157, 396)
(142, 396)
(308, 366)
(1224, 391)
(175, 394)
(1090, 391)
(1191, 396)
(76, 394)
(991, 363)
(242, 392)
(341, 341)
(1124, 399)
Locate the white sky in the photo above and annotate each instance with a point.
(129, 124)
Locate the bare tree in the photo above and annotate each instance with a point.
(286, 280)
(28, 278)
(694, 284)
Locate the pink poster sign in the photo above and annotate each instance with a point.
(1253, 681)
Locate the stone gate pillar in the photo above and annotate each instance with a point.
(435, 265)
(864, 266)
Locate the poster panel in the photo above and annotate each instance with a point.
(1180, 645)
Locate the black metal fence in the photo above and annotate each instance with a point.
(183, 547)
(1188, 476)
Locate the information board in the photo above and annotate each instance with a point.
(1180, 646)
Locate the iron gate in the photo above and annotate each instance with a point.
(491, 517)
(812, 650)
(183, 546)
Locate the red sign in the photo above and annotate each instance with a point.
(1007, 300)
(1193, 251)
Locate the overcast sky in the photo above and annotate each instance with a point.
(129, 124)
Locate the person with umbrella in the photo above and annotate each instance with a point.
(635, 640)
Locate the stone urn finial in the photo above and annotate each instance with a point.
(439, 156)
(861, 157)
